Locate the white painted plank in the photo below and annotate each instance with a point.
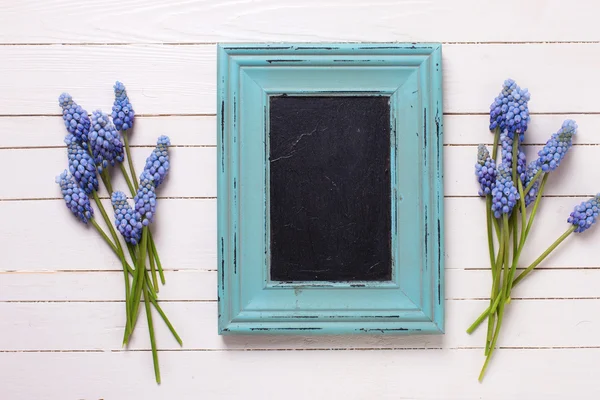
(412, 374)
(48, 131)
(99, 326)
(185, 232)
(192, 174)
(103, 286)
(575, 176)
(182, 79)
(56, 21)
(473, 129)
(202, 285)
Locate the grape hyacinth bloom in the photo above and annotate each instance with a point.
(76, 119)
(157, 164)
(485, 169)
(504, 192)
(532, 170)
(507, 149)
(510, 110)
(81, 165)
(122, 111)
(75, 198)
(585, 214)
(126, 219)
(145, 199)
(557, 146)
(105, 141)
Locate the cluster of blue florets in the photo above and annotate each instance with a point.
(485, 169)
(157, 164)
(557, 146)
(510, 111)
(145, 199)
(81, 165)
(126, 219)
(532, 170)
(507, 156)
(122, 111)
(504, 192)
(585, 214)
(76, 118)
(105, 141)
(75, 198)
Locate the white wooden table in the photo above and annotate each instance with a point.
(61, 316)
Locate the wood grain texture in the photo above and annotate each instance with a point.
(61, 330)
(57, 21)
(181, 79)
(399, 374)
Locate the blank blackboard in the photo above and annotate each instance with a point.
(330, 200)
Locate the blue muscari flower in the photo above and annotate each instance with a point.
(75, 198)
(105, 141)
(126, 219)
(507, 148)
(485, 169)
(122, 111)
(81, 165)
(504, 192)
(145, 199)
(76, 118)
(557, 146)
(532, 169)
(510, 110)
(157, 164)
(585, 214)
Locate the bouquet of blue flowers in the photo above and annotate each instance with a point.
(94, 147)
(510, 186)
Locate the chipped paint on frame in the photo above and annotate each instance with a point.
(248, 301)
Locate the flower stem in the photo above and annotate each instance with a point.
(535, 178)
(526, 272)
(490, 233)
(164, 317)
(138, 282)
(129, 160)
(495, 286)
(152, 338)
(545, 254)
(127, 179)
(152, 267)
(495, 146)
(126, 268)
(506, 232)
(158, 264)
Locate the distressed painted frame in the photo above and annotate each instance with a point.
(413, 300)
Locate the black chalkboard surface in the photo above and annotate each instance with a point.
(330, 206)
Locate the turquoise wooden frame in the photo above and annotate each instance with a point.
(413, 300)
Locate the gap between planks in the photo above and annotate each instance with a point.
(466, 43)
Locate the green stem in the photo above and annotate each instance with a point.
(152, 268)
(515, 154)
(526, 272)
(106, 180)
(535, 178)
(490, 233)
(158, 264)
(138, 282)
(129, 160)
(506, 233)
(127, 179)
(495, 146)
(545, 254)
(495, 285)
(164, 317)
(538, 198)
(152, 338)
